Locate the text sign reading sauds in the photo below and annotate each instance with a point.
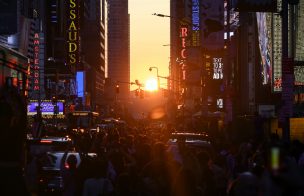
(73, 32)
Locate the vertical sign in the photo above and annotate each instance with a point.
(183, 35)
(36, 68)
(195, 23)
(277, 49)
(80, 83)
(217, 68)
(220, 103)
(264, 35)
(73, 33)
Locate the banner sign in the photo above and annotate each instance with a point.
(47, 107)
(277, 50)
(195, 23)
(73, 33)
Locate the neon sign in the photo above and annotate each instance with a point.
(36, 75)
(73, 33)
(47, 107)
(183, 35)
(195, 23)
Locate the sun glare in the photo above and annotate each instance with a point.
(151, 84)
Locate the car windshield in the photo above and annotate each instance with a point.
(52, 160)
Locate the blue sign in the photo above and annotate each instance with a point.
(47, 107)
(80, 83)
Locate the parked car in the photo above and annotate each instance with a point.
(189, 140)
(38, 146)
(50, 179)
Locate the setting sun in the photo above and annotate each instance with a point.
(151, 84)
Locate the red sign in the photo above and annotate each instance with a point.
(183, 35)
(36, 74)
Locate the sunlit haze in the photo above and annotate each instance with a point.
(148, 35)
(151, 84)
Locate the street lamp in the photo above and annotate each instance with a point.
(161, 15)
(158, 82)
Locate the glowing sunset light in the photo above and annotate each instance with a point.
(151, 84)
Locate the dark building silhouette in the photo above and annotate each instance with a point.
(119, 47)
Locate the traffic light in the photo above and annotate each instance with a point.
(136, 92)
(117, 89)
(141, 93)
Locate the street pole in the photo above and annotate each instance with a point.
(158, 80)
(287, 78)
(227, 82)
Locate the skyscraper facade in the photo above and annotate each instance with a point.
(93, 47)
(119, 47)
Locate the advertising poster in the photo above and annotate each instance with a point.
(265, 47)
(277, 49)
(47, 107)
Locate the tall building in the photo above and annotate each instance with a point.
(75, 40)
(118, 48)
(93, 48)
(196, 52)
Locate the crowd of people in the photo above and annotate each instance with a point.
(137, 161)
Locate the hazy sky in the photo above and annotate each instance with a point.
(148, 35)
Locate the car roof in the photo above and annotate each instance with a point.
(47, 139)
(191, 138)
(189, 135)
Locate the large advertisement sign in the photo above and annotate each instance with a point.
(195, 23)
(47, 107)
(299, 53)
(264, 34)
(73, 32)
(277, 49)
(299, 75)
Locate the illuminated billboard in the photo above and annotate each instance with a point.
(35, 66)
(47, 107)
(217, 68)
(80, 83)
(299, 51)
(299, 75)
(73, 33)
(195, 23)
(183, 55)
(264, 34)
(277, 49)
